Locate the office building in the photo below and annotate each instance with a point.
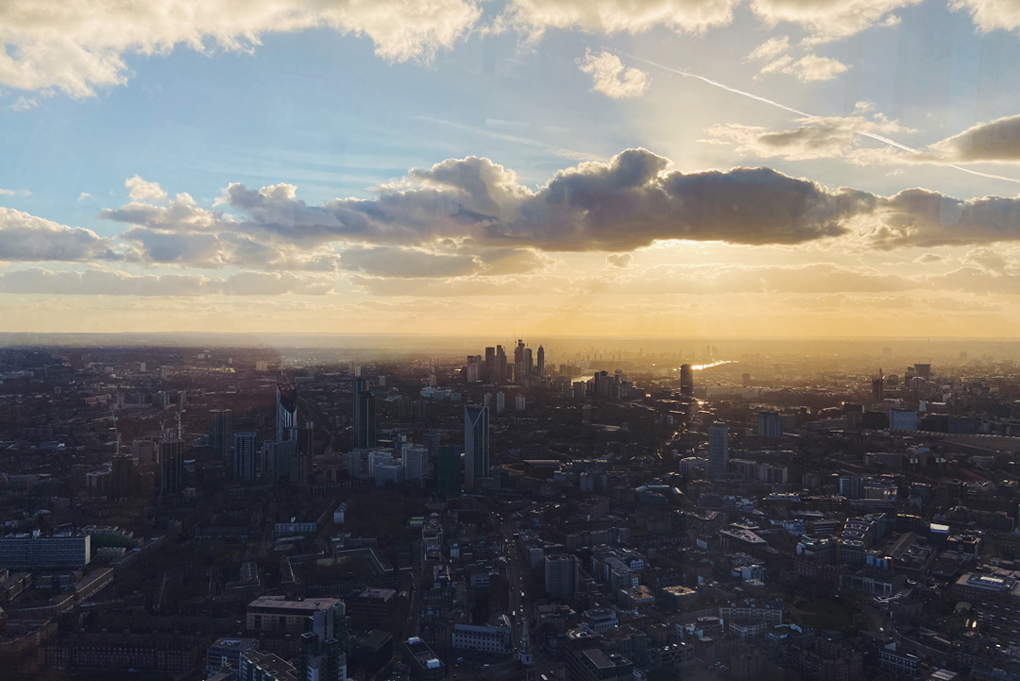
(32, 552)
(718, 449)
(323, 655)
(256, 665)
(286, 410)
(770, 424)
(221, 434)
(276, 458)
(489, 374)
(499, 372)
(301, 457)
(476, 444)
(521, 403)
(449, 472)
(473, 369)
(500, 402)
(122, 474)
(561, 575)
(415, 460)
(686, 380)
(171, 464)
(278, 614)
(244, 467)
(424, 664)
(226, 653)
(364, 415)
(520, 366)
(541, 361)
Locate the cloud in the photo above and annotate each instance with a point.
(618, 16)
(23, 104)
(828, 19)
(84, 195)
(814, 137)
(809, 68)
(104, 282)
(79, 46)
(140, 190)
(470, 206)
(609, 77)
(25, 237)
(997, 141)
(7, 192)
(991, 15)
(931, 259)
(621, 260)
(388, 261)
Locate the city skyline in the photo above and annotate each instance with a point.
(646, 169)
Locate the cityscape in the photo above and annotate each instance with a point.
(509, 340)
(635, 510)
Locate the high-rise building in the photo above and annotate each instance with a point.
(500, 402)
(171, 464)
(323, 655)
(923, 370)
(561, 575)
(686, 380)
(718, 449)
(489, 374)
(520, 363)
(541, 361)
(122, 474)
(301, 456)
(364, 415)
(473, 369)
(878, 388)
(221, 434)
(476, 444)
(499, 372)
(276, 458)
(433, 438)
(770, 424)
(244, 456)
(449, 472)
(521, 402)
(415, 460)
(529, 363)
(286, 410)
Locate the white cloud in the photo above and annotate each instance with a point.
(618, 16)
(7, 192)
(991, 15)
(79, 45)
(621, 260)
(140, 190)
(22, 103)
(997, 141)
(828, 19)
(611, 78)
(815, 137)
(84, 195)
(809, 68)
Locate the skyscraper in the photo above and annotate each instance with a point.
(221, 434)
(686, 380)
(499, 373)
(415, 460)
(364, 415)
(769, 424)
(301, 457)
(286, 410)
(489, 372)
(520, 363)
(323, 655)
(718, 449)
(541, 361)
(449, 472)
(476, 444)
(529, 363)
(244, 456)
(171, 464)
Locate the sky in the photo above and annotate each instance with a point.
(616, 168)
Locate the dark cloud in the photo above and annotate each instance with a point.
(25, 237)
(997, 141)
(469, 207)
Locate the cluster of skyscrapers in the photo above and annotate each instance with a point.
(495, 366)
